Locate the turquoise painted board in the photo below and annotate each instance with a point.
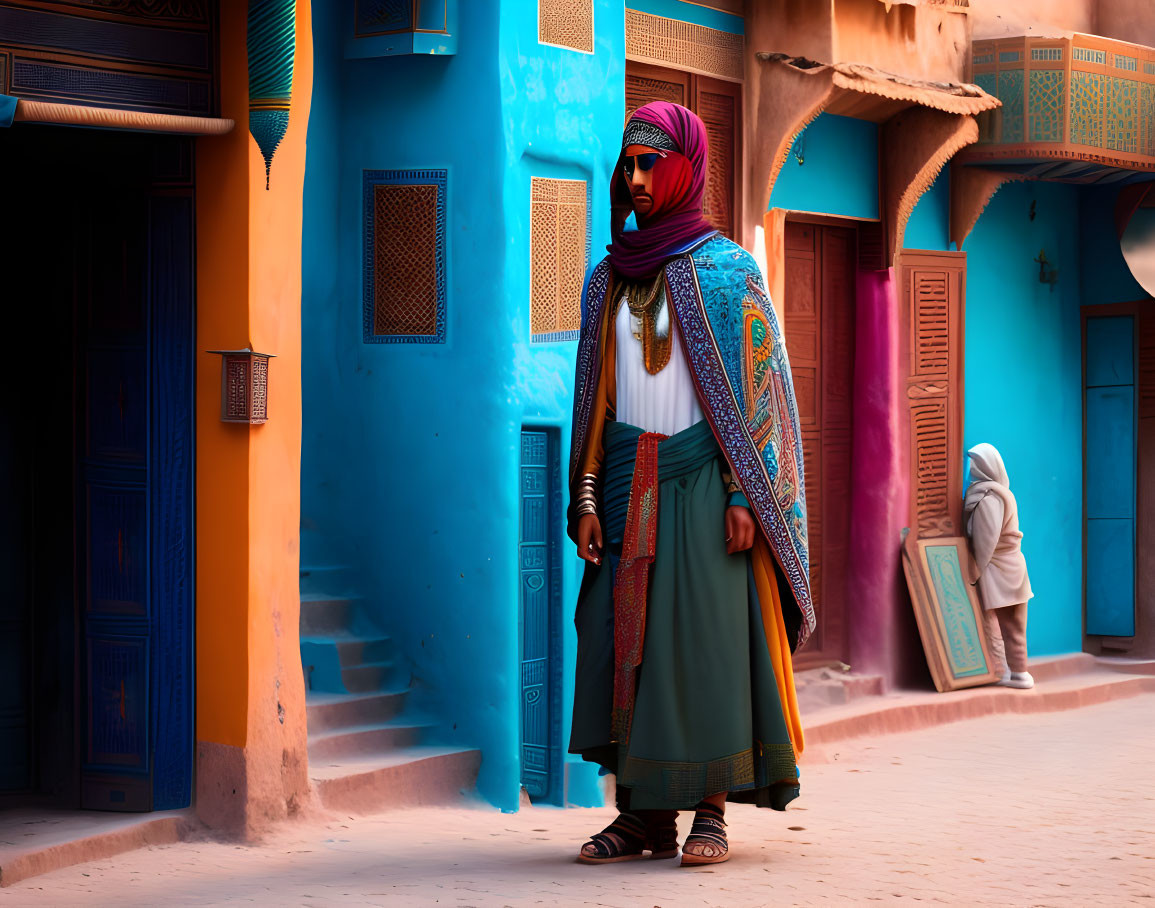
(1111, 577)
(960, 630)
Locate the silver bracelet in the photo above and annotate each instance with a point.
(587, 495)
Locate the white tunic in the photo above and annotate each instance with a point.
(666, 402)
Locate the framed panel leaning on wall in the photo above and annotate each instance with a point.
(948, 612)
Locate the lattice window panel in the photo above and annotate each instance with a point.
(558, 253)
(684, 45)
(566, 23)
(1048, 101)
(1086, 108)
(404, 256)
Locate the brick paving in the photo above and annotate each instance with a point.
(1011, 810)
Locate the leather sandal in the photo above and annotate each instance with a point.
(630, 836)
(709, 830)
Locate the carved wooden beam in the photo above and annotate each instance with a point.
(971, 189)
(916, 145)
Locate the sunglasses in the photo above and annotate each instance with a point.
(642, 162)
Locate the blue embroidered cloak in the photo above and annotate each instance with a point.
(734, 348)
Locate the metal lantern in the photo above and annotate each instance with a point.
(244, 385)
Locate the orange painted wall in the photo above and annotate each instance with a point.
(222, 493)
(250, 690)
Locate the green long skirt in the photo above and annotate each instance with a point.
(707, 716)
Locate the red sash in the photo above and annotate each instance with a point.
(639, 544)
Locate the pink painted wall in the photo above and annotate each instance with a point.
(882, 633)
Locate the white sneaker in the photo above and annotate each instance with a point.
(1018, 680)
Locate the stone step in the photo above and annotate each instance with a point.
(359, 651)
(333, 579)
(375, 676)
(358, 741)
(329, 712)
(325, 657)
(911, 711)
(412, 777)
(1127, 666)
(325, 615)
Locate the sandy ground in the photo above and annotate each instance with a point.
(1032, 810)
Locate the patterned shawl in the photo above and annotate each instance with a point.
(735, 351)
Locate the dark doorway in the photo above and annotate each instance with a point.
(96, 445)
(819, 304)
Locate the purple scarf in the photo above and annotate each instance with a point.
(639, 253)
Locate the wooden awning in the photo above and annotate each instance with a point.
(859, 90)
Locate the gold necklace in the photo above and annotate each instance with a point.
(645, 304)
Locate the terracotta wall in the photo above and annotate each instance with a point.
(251, 758)
(1124, 20)
(923, 42)
(1043, 18)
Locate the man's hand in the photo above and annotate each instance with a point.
(589, 535)
(739, 529)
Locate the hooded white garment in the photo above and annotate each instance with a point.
(992, 521)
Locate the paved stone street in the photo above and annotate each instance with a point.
(1013, 810)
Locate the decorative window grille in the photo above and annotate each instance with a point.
(1046, 53)
(558, 252)
(1010, 56)
(1128, 63)
(1086, 55)
(980, 59)
(403, 287)
(566, 23)
(683, 45)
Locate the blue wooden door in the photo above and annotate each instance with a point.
(135, 475)
(540, 584)
(1109, 401)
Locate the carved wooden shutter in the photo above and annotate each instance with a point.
(932, 305)
(718, 103)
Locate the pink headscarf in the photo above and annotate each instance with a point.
(677, 222)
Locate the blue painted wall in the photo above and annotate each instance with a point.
(411, 452)
(408, 448)
(1105, 277)
(929, 224)
(1024, 373)
(1024, 388)
(839, 170)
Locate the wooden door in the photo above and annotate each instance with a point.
(135, 472)
(1109, 487)
(819, 309)
(931, 351)
(719, 104)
